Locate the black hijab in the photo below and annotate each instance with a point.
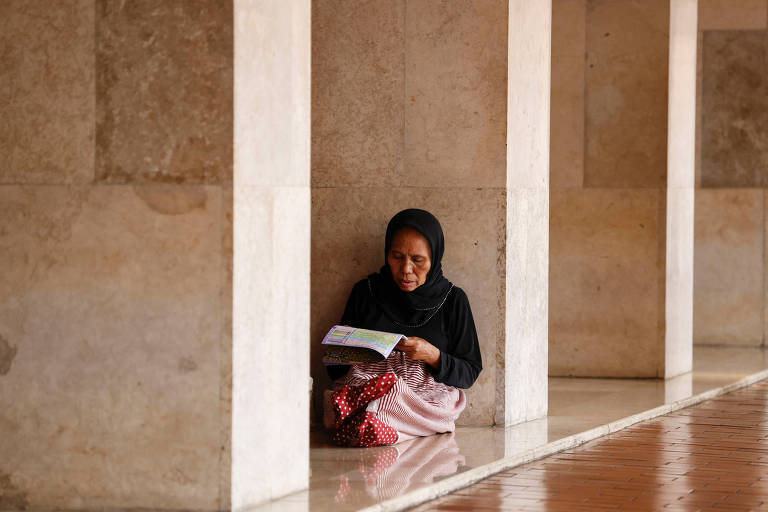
(416, 308)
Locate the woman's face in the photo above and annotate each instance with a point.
(409, 259)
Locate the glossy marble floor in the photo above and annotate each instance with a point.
(351, 479)
(712, 456)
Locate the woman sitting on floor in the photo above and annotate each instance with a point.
(413, 392)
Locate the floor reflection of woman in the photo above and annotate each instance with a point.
(392, 471)
(414, 392)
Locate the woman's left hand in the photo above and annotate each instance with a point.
(421, 350)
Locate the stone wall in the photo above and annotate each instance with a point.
(730, 259)
(608, 187)
(115, 244)
(409, 110)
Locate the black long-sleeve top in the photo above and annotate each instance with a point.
(452, 330)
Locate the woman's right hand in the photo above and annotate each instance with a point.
(420, 350)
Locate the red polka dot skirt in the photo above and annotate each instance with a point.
(350, 399)
(354, 425)
(364, 429)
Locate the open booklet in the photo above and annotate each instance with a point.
(348, 345)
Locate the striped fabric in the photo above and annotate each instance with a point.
(417, 405)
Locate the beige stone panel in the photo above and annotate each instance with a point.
(358, 79)
(567, 109)
(604, 283)
(569, 28)
(46, 91)
(110, 298)
(735, 109)
(627, 65)
(164, 91)
(455, 91)
(729, 266)
(732, 14)
(348, 227)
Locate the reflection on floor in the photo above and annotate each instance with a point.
(352, 478)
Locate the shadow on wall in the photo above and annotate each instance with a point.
(7, 354)
(11, 498)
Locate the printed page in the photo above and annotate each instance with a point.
(381, 342)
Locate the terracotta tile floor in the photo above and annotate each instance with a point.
(713, 456)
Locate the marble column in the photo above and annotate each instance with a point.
(681, 170)
(522, 381)
(270, 423)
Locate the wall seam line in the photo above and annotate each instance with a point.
(404, 153)
(93, 180)
(584, 137)
(139, 184)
